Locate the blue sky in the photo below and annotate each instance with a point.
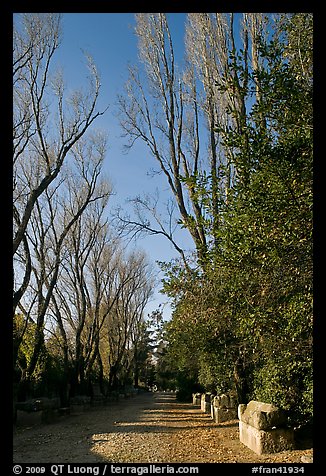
(110, 39)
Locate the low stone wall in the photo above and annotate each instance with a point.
(38, 404)
(38, 410)
(263, 429)
(224, 408)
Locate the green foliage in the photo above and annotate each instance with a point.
(26, 332)
(244, 321)
(48, 376)
(186, 386)
(51, 379)
(288, 384)
(144, 370)
(214, 372)
(242, 316)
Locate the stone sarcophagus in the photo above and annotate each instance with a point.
(206, 399)
(196, 399)
(263, 428)
(224, 408)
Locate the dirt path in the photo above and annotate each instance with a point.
(149, 428)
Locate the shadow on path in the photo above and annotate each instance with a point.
(148, 428)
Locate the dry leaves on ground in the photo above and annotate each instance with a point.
(148, 428)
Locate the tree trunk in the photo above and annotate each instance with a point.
(240, 380)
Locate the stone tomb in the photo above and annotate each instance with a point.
(205, 403)
(37, 410)
(196, 399)
(223, 408)
(263, 429)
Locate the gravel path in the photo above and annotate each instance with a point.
(148, 428)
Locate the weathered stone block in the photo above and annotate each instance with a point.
(205, 403)
(263, 416)
(221, 415)
(196, 399)
(224, 401)
(38, 404)
(263, 428)
(28, 418)
(223, 408)
(261, 441)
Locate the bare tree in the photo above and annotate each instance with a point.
(97, 285)
(126, 313)
(46, 123)
(224, 64)
(52, 220)
(148, 220)
(76, 297)
(186, 118)
(156, 116)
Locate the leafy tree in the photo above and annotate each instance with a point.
(26, 332)
(249, 310)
